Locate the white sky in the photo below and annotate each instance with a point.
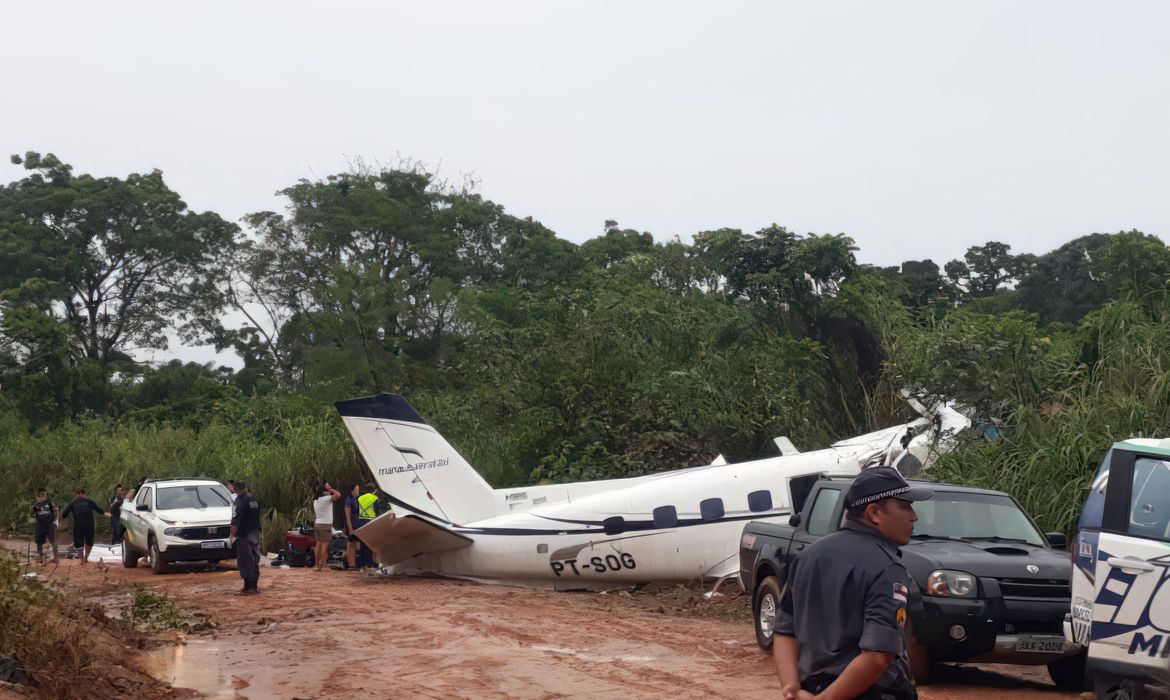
(917, 128)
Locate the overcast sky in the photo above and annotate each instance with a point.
(917, 128)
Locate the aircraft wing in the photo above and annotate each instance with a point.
(398, 539)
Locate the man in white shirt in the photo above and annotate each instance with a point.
(323, 522)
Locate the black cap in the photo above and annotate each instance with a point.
(876, 483)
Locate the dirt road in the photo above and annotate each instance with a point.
(339, 634)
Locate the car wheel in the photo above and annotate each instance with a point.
(1068, 672)
(921, 665)
(129, 556)
(765, 607)
(156, 560)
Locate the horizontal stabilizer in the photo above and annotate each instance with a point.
(398, 539)
(785, 446)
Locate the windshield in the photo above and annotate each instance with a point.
(974, 516)
(202, 496)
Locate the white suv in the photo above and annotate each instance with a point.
(174, 520)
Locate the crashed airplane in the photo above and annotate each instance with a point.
(598, 535)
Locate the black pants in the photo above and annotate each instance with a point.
(248, 558)
(365, 555)
(904, 690)
(116, 530)
(82, 536)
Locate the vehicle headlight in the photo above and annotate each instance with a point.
(172, 531)
(952, 584)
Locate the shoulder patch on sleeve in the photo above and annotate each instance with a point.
(901, 593)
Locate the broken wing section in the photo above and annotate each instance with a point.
(398, 539)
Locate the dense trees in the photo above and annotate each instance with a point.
(94, 269)
(541, 359)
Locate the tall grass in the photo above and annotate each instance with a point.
(1120, 389)
(283, 447)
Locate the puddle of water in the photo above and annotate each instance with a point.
(195, 664)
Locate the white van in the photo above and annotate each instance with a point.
(1121, 573)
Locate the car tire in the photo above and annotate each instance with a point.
(765, 606)
(918, 656)
(1068, 673)
(156, 561)
(129, 556)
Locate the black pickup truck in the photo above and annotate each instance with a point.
(993, 588)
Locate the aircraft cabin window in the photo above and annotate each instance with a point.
(820, 519)
(759, 501)
(665, 516)
(615, 525)
(711, 509)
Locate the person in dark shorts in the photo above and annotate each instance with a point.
(116, 528)
(82, 508)
(246, 535)
(46, 515)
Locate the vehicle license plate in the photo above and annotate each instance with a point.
(218, 544)
(1042, 645)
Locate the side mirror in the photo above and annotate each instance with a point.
(794, 520)
(144, 507)
(1057, 539)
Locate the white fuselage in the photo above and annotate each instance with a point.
(670, 526)
(605, 532)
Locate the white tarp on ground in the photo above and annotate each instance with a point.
(108, 553)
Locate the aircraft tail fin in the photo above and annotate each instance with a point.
(417, 470)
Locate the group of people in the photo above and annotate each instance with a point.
(333, 511)
(83, 509)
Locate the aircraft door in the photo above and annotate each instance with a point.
(1131, 607)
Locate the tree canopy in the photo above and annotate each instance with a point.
(541, 359)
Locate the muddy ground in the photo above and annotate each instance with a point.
(342, 634)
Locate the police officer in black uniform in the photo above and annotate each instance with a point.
(246, 531)
(839, 629)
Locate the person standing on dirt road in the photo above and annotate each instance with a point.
(367, 511)
(323, 523)
(839, 628)
(116, 528)
(245, 534)
(46, 515)
(82, 508)
(351, 517)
